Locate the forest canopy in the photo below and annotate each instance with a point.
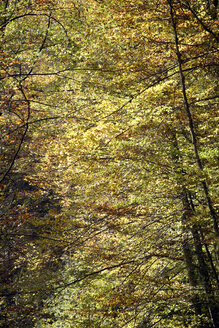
(109, 164)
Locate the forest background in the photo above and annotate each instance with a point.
(109, 160)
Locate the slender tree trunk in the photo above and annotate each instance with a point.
(190, 120)
(202, 268)
(214, 271)
(189, 261)
(204, 274)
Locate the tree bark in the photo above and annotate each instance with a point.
(190, 120)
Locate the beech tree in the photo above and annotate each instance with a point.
(32, 33)
(115, 137)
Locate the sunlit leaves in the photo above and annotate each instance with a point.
(108, 159)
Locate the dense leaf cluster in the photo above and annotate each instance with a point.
(108, 164)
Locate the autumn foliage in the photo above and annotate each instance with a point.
(108, 177)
